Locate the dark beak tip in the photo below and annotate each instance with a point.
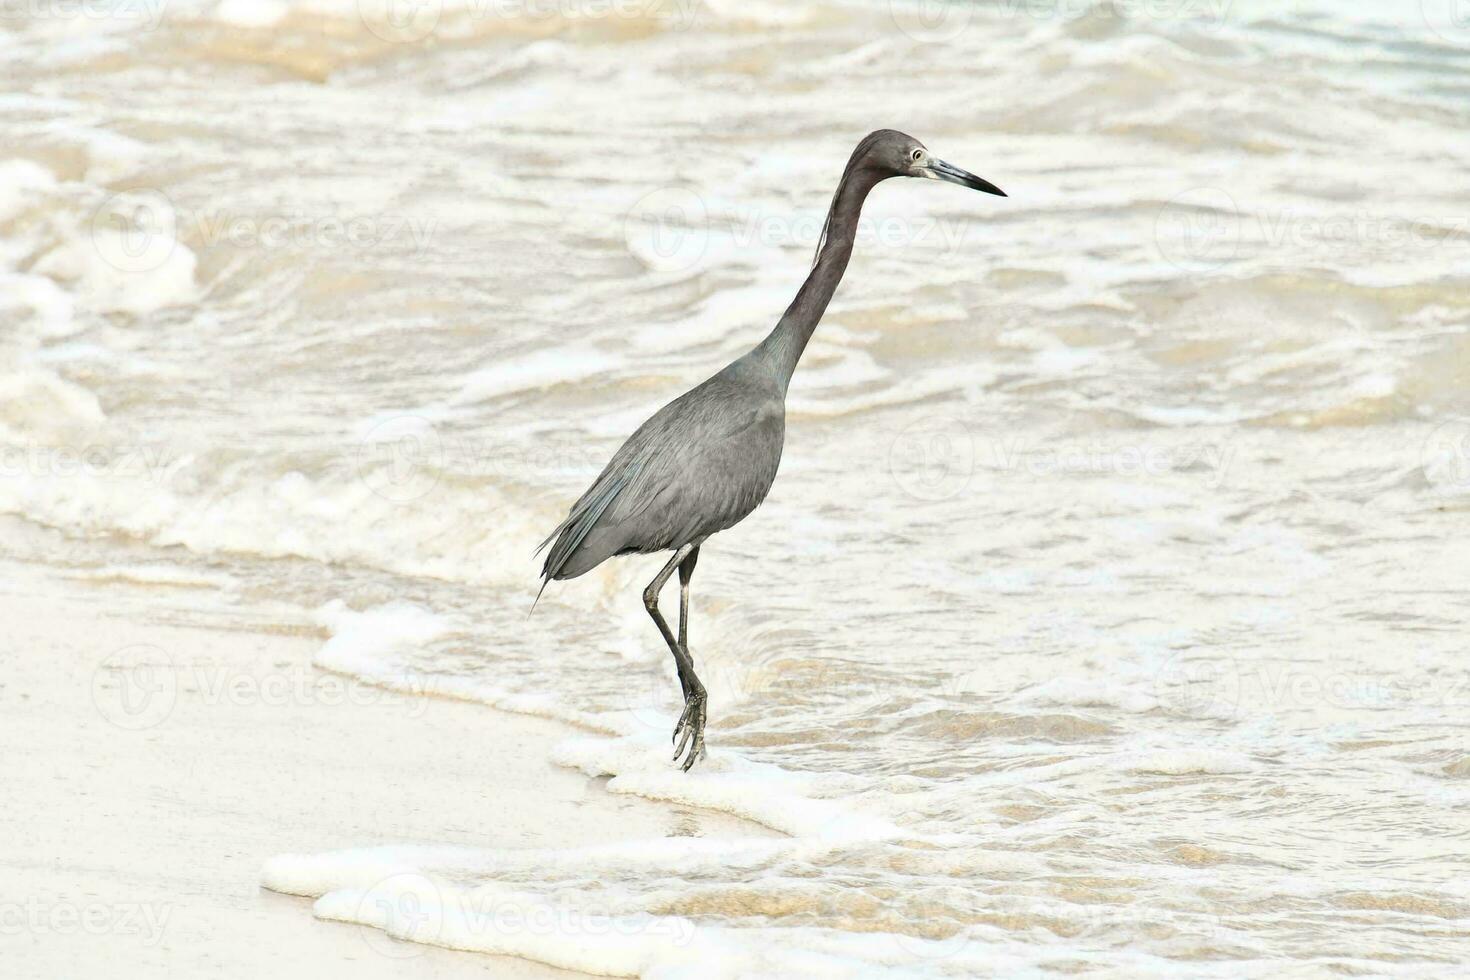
(956, 175)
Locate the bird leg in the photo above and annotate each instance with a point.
(691, 722)
(686, 572)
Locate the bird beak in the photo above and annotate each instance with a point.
(939, 170)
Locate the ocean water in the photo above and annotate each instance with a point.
(1107, 614)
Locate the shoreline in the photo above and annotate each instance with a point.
(191, 753)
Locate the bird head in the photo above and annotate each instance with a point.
(894, 154)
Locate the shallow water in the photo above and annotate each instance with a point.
(1106, 615)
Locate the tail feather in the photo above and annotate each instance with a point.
(570, 533)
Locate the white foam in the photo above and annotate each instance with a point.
(360, 640)
(1090, 692)
(370, 644)
(541, 369)
(251, 13)
(158, 574)
(21, 184)
(802, 804)
(450, 897)
(37, 405)
(1183, 762)
(51, 308)
(165, 278)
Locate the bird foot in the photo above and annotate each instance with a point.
(691, 725)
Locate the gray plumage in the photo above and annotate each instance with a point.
(708, 458)
(699, 465)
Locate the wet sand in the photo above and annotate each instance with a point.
(136, 831)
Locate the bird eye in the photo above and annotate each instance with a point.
(916, 154)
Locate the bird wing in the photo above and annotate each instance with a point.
(698, 465)
(571, 532)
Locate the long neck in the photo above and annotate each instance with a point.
(783, 347)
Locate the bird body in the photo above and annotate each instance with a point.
(708, 458)
(699, 465)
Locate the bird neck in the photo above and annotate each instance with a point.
(783, 347)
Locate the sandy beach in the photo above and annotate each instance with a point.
(138, 822)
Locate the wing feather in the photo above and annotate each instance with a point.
(698, 465)
(583, 519)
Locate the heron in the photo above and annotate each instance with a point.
(705, 460)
